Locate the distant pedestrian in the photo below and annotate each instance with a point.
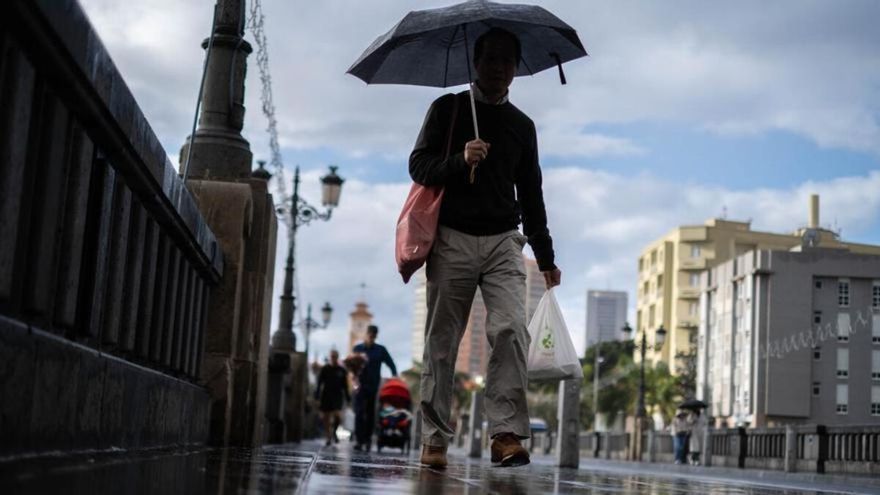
(368, 387)
(680, 430)
(490, 188)
(331, 393)
(698, 432)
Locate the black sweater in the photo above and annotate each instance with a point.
(507, 188)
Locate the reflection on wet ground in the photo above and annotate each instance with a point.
(306, 468)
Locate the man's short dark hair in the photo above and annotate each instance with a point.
(373, 329)
(497, 31)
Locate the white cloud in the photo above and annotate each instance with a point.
(808, 67)
(598, 237)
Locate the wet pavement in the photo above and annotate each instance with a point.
(312, 468)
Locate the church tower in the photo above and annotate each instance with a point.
(359, 320)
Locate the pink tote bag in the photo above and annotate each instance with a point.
(417, 224)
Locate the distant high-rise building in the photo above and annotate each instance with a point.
(535, 287)
(606, 315)
(473, 352)
(359, 320)
(420, 315)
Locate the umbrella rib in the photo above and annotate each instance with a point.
(448, 48)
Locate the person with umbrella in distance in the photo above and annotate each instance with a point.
(697, 425)
(485, 158)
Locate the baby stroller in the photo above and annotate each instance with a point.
(394, 416)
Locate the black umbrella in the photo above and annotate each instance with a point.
(433, 47)
(693, 404)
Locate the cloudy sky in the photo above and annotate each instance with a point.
(684, 110)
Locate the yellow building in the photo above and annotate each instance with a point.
(669, 268)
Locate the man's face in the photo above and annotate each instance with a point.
(497, 64)
(371, 338)
(334, 357)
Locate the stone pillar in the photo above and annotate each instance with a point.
(475, 425)
(651, 446)
(276, 397)
(239, 209)
(606, 444)
(707, 446)
(741, 447)
(568, 416)
(416, 438)
(790, 449)
(296, 389)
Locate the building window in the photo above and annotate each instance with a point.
(843, 327)
(659, 284)
(875, 401)
(843, 293)
(842, 398)
(695, 251)
(818, 284)
(651, 316)
(817, 353)
(641, 265)
(817, 317)
(816, 389)
(842, 363)
(875, 329)
(695, 279)
(875, 365)
(693, 308)
(875, 295)
(653, 258)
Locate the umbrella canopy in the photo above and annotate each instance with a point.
(434, 47)
(693, 404)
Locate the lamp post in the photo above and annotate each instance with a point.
(309, 324)
(598, 362)
(299, 213)
(641, 411)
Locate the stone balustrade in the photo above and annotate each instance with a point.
(806, 448)
(106, 263)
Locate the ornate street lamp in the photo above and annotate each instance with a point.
(309, 324)
(641, 412)
(297, 212)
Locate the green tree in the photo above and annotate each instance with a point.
(619, 384)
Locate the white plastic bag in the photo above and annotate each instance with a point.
(551, 353)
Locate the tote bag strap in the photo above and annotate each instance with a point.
(455, 99)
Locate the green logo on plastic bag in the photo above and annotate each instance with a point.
(547, 340)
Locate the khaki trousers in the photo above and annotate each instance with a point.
(458, 264)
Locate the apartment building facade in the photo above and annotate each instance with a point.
(789, 337)
(669, 271)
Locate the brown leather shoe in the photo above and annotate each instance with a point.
(434, 457)
(507, 450)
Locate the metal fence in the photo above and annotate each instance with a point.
(808, 448)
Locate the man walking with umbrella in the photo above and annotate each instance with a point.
(485, 158)
(488, 186)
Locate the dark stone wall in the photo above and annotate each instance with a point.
(59, 396)
(106, 264)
